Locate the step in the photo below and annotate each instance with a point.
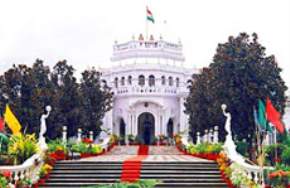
(143, 171)
(79, 177)
(163, 185)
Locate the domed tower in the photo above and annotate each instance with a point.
(150, 85)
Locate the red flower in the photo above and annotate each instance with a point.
(7, 174)
(87, 141)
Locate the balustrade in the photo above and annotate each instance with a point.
(209, 136)
(28, 170)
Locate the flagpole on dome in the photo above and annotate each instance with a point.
(146, 26)
(149, 17)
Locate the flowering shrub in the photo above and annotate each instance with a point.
(87, 141)
(204, 148)
(21, 147)
(177, 139)
(280, 176)
(56, 145)
(4, 177)
(44, 170)
(24, 183)
(86, 149)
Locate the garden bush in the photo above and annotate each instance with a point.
(56, 145)
(204, 148)
(21, 147)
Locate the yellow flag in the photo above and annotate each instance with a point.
(12, 121)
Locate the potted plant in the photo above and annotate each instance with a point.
(131, 139)
(122, 140)
(162, 140)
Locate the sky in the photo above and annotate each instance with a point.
(83, 31)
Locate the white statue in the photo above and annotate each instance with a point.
(229, 145)
(43, 129)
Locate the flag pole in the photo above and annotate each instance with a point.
(146, 25)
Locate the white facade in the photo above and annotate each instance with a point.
(149, 85)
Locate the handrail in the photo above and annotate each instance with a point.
(28, 169)
(105, 144)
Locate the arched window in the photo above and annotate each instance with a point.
(163, 80)
(177, 82)
(141, 80)
(129, 80)
(123, 81)
(170, 81)
(116, 82)
(151, 80)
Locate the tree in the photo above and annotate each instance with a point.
(240, 74)
(27, 90)
(66, 100)
(96, 100)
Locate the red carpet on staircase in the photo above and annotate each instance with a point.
(132, 167)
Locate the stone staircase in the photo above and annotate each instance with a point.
(170, 170)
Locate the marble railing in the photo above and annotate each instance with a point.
(147, 90)
(28, 170)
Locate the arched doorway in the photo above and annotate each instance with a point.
(146, 128)
(170, 129)
(122, 131)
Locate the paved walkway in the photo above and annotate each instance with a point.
(156, 153)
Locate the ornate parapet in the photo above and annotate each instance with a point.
(148, 49)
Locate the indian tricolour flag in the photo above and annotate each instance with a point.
(149, 15)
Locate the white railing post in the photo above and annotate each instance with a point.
(91, 135)
(205, 136)
(79, 139)
(216, 135)
(64, 134)
(198, 138)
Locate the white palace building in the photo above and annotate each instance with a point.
(149, 86)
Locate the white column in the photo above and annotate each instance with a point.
(204, 138)
(210, 136)
(183, 118)
(79, 139)
(108, 120)
(216, 135)
(131, 123)
(128, 125)
(64, 134)
(135, 120)
(160, 123)
(91, 135)
(197, 138)
(164, 124)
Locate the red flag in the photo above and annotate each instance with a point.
(274, 116)
(2, 123)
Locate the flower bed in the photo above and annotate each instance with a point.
(205, 150)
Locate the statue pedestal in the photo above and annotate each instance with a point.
(42, 145)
